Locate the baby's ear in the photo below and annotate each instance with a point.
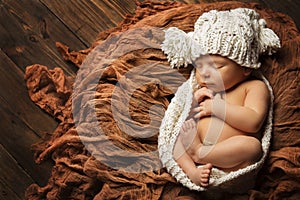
(247, 71)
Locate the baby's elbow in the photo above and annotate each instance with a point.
(256, 122)
(255, 127)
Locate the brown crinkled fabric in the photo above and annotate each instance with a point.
(105, 146)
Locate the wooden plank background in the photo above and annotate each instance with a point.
(28, 32)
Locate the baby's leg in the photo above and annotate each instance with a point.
(199, 176)
(237, 151)
(188, 136)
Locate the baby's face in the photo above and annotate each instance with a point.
(218, 73)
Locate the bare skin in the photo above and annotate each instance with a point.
(221, 132)
(198, 175)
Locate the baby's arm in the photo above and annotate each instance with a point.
(248, 117)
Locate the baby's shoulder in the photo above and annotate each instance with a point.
(255, 85)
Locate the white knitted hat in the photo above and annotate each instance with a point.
(238, 34)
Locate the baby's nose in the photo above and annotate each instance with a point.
(205, 72)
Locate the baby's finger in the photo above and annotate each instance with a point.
(197, 116)
(200, 114)
(197, 109)
(202, 93)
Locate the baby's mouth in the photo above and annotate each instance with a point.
(204, 84)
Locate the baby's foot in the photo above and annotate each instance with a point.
(201, 175)
(188, 136)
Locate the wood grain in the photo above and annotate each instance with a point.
(83, 18)
(17, 139)
(7, 192)
(14, 179)
(15, 97)
(19, 117)
(30, 35)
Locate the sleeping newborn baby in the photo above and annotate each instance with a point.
(230, 105)
(229, 110)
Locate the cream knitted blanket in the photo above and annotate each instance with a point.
(176, 114)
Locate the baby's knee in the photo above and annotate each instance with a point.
(250, 148)
(253, 149)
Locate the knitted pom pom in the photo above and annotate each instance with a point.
(177, 45)
(267, 39)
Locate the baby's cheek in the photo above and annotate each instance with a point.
(198, 77)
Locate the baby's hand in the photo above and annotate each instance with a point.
(203, 93)
(207, 106)
(204, 109)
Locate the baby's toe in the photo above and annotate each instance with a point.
(192, 124)
(204, 182)
(208, 166)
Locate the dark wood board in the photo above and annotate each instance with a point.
(14, 180)
(31, 31)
